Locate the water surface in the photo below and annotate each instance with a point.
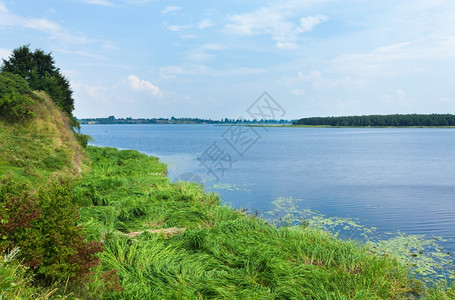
(393, 179)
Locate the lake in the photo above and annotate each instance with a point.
(393, 179)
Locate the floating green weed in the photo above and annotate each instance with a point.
(232, 187)
(424, 255)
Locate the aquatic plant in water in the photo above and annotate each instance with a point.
(424, 255)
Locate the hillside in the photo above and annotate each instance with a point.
(41, 146)
(40, 159)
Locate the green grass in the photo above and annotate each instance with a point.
(223, 253)
(165, 240)
(36, 148)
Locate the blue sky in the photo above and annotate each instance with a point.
(212, 59)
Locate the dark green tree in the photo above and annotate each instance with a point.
(39, 70)
(382, 120)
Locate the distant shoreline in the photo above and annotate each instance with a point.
(112, 121)
(388, 121)
(275, 125)
(363, 121)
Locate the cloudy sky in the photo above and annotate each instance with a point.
(213, 59)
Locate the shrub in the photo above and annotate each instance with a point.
(83, 139)
(63, 249)
(44, 226)
(10, 82)
(18, 210)
(16, 102)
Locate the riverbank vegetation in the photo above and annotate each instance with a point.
(410, 120)
(98, 223)
(161, 240)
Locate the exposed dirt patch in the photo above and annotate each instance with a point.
(167, 232)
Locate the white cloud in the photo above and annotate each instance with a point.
(398, 98)
(316, 81)
(89, 54)
(174, 71)
(262, 20)
(110, 45)
(202, 53)
(140, 85)
(398, 58)
(171, 72)
(51, 11)
(3, 7)
(244, 71)
(446, 45)
(212, 47)
(274, 21)
(286, 45)
(189, 37)
(42, 25)
(54, 30)
(205, 24)
(392, 48)
(95, 93)
(308, 23)
(177, 27)
(170, 9)
(139, 2)
(312, 76)
(446, 99)
(298, 92)
(98, 2)
(4, 53)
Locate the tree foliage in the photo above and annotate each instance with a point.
(39, 70)
(16, 99)
(382, 120)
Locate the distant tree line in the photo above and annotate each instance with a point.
(381, 120)
(172, 120)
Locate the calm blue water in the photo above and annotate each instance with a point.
(392, 179)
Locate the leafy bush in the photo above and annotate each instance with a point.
(19, 209)
(10, 82)
(16, 102)
(44, 226)
(83, 139)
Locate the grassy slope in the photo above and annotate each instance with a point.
(37, 148)
(174, 241)
(35, 151)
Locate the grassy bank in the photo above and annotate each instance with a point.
(167, 240)
(40, 147)
(156, 239)
(175, 241)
